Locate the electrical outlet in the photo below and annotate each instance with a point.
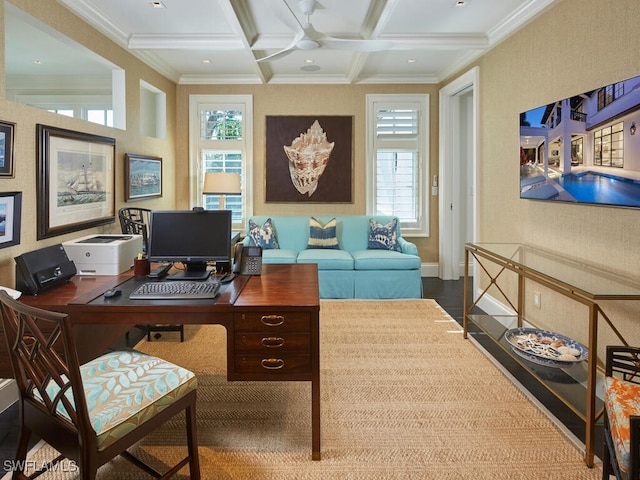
(537, 299)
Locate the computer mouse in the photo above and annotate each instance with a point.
(112, 292)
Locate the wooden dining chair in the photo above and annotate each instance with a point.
(93, 412)
(621, 452)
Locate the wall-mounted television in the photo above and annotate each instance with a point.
(585, 148)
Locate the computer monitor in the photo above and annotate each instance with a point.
(191, 237)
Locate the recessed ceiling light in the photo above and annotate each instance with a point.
(308, 60)
(310, 68)
(207, 61)
(38, 62)
(157, 4)
(412, 60)
(461, 3)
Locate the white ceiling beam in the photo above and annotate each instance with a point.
(238, 16)
(377, 17)
(182, 41)
(437, 41)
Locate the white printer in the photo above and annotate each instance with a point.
(103, 254)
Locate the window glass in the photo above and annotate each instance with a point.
(397, 133)
(220, 134)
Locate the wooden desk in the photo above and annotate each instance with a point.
(272, 323)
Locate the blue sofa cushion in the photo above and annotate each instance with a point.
(384, 237)
(384, 260)
(322, 236)
(279, 255)
(327, 258)
(264, 236)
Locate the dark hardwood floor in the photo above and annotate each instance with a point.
(449, 295)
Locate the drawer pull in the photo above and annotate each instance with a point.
(272, 320)
(272, 363)
(272, 342)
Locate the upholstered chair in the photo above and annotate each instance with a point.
(622, 413)
(93, 412)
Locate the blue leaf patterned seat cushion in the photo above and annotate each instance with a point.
(384, 237)
(125, 388)
(264, 236)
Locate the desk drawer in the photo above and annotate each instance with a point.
(270, 322)
(272, 344)
(274, 365)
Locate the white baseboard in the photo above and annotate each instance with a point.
(8, 393)
(429, 270)
(491, 306)
(433, 270)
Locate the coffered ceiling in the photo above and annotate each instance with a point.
(348, 41)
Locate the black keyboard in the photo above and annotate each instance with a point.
(175, 290)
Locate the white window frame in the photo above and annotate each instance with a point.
(399, 101)
(243, 103)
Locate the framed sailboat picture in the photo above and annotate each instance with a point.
(75, 180)
(142, 177)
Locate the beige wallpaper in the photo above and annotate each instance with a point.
(574, 47)
(310, 100)
(128, 141)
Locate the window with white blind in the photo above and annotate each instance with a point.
(397, 159)
(220, 141)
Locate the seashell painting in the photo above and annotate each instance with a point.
(308, 156)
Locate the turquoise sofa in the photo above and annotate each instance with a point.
(352, 269)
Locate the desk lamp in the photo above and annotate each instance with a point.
(221, 184)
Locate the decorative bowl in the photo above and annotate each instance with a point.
(545, 348)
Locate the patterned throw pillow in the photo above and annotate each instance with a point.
(263, 236)
(383, 237)
(322, 236)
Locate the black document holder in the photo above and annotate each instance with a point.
(42, 269)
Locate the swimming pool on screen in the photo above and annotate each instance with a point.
(592, 187)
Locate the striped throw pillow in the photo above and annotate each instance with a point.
(322, 236)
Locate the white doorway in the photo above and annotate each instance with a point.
(457, 172)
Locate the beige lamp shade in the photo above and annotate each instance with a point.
(221, 183)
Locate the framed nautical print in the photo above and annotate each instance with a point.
(75, 181)
(6, 149)
(308, 159)
(10, 213)
(142, 177)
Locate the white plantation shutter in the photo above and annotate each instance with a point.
(220, 141)
(397, 133)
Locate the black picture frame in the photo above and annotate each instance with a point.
(75, 181)
(142, 177)
(10, 218)
(6, 149)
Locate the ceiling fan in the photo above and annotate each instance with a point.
(308, 38)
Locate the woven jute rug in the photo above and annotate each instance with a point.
(404, 396)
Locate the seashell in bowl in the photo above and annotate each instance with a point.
(308, 157)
